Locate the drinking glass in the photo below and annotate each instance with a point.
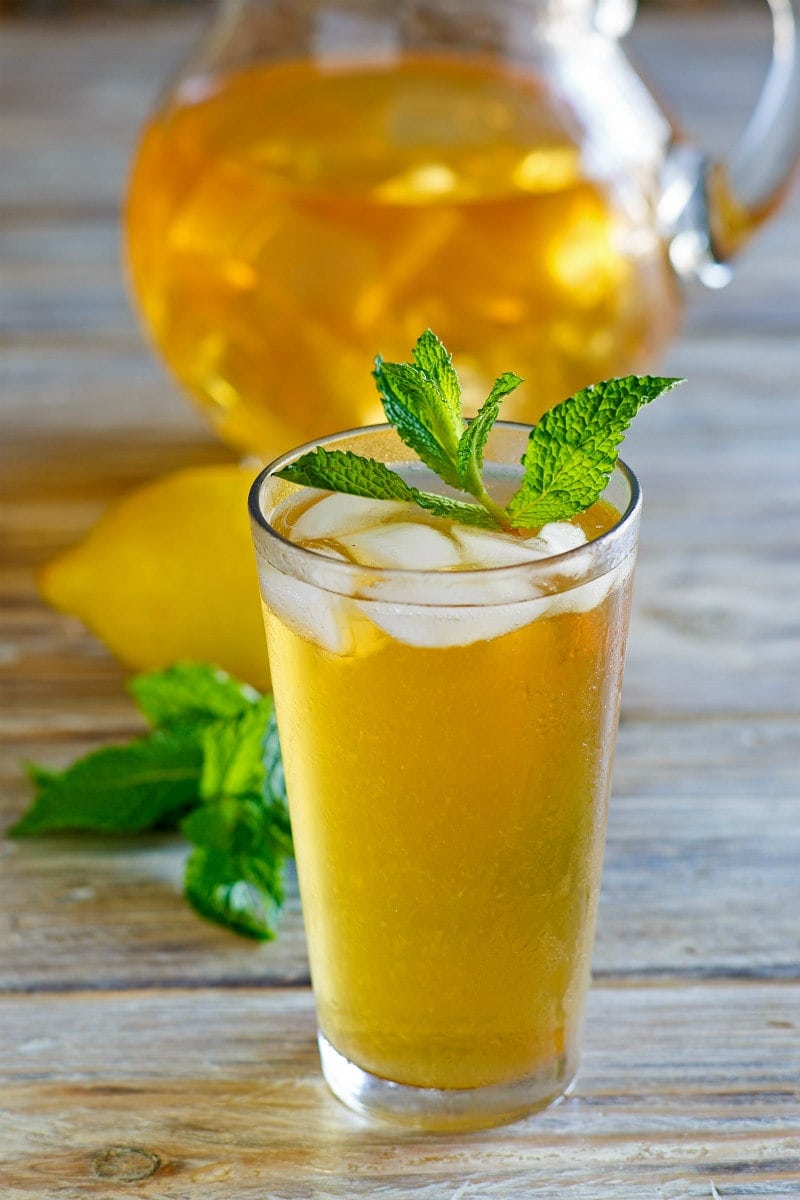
(448, 740)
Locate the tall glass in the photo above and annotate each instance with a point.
(448, 739)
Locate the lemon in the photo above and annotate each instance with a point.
(168, 574)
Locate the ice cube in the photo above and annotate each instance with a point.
(588, 595)
(423, 625)
(487, 549)
(483, 548)
(561, 536)
(583, 598)
(340, 513)
(317, 615)
(408, 544)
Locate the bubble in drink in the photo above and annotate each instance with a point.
(339, 514)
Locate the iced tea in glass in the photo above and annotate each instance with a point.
(447, 699)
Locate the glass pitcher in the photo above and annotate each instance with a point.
(327, 178)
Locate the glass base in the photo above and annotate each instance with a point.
(442, 1109)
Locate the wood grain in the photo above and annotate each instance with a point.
(232, 1103)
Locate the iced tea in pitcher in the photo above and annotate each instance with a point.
(325, 178)
(285, 218)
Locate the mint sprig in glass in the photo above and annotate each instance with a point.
(567, 463)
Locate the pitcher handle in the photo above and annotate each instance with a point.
(709, 209)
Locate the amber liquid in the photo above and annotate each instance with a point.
(286, 223)
(449, 808)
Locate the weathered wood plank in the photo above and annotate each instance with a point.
(701, 876)
(77, 388)
(96, 73)
(679, 1087)
(713, 626)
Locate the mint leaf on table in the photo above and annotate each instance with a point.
(243, 764)
(239, 825)
(242, 893)
(235, 873)
(570, 456)
(212, 765)
(190, 695)
(233, 753)
(147, 784)
(152, 781)
(241, 832)
(572, 451)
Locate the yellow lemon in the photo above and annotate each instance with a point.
(168, 574)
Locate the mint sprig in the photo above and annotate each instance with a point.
(210, 766)
(569, 459)
(241, 831)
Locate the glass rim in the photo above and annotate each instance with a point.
(355, 570)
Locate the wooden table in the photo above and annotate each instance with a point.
(145, 1053)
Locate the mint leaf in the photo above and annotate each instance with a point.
(204, 746)
(410, 401)
(233, 753)
(227, 823)
(241, 825)
(431, 357)
(455, 510)
(568, 461)
(242, 839)
(146, 784)
(243, 765)
(423, 401)
(189, 695)
(343, 471)
(241, 832)
(244, 893)
(469, 458)
(413, 403)
(572, 451)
